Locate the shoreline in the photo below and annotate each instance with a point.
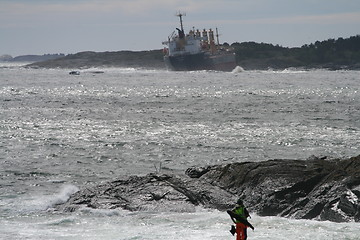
(154, 60)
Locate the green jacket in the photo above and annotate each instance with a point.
(239, 215)
(241, 212)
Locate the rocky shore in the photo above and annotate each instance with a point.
(315, 188)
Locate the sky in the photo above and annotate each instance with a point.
(71, 26)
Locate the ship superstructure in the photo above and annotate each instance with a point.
(196, 51)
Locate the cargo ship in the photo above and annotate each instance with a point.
(196, 51)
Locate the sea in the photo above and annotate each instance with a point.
(60, 133)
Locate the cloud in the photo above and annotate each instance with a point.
(126, 7)
(129, 7)
(339, 18)
(21, 13)
(36, 12)
(349, 17)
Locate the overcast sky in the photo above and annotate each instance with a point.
(70, 26)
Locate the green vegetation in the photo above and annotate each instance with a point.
(332, 54)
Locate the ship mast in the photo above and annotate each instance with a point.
(180, 14)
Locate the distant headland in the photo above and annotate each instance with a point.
(342, 53)
(30, 58)
(142, 59)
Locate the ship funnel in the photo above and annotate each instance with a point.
(198, 34)
(205, 35)
(211, 40)
(211, 35)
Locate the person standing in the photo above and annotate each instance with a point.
(239, 216)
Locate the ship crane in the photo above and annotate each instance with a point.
(217, 37)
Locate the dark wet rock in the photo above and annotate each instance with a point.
(152, 193)
(197, 172)
(316, 188)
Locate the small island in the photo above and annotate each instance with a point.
(343, 53)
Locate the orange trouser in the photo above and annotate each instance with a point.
(241, 232)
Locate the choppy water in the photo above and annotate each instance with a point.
(60, 132)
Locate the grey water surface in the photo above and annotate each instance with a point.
(60, 132)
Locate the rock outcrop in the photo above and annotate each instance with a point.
(152, 193)
(315, 188)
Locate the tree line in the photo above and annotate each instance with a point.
(331, 53)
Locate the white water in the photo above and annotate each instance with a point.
(202, 224)
(59, 133)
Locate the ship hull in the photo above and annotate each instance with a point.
(201, 61)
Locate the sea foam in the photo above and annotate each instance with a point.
(43, 203)
(63, 196)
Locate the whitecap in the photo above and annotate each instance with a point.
(43, 203)
(237, 69)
